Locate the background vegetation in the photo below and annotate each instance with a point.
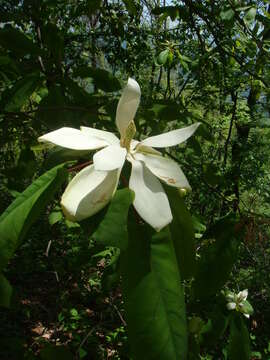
(63, 63)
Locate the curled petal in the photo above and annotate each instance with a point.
(231, 306)
(88, 192)
(127, 105)
(242, 295)
(165, 169)
(110, 158)
(171, 138)
(150, 201)
(106, 136)
(73, 139)
(146, 149)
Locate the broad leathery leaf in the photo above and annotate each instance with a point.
(14, 40)
(55, 110)
(5, 292)
(53, 39)
(153, 296)
(239, 343)
(25, 209)
(163, 57)
(13, 99)
(112, 231)
(218, 257)
(217, 324)
(182, 234)
(103, 79)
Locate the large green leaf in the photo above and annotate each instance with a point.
(182, 233)
(54, 41)
(163, 57)
(218, 256)
(113, 229)
(15, 40)
(25, 209)
(103, 79)
(239, 344)
(13, 99)
(5, 291)
(153, 296)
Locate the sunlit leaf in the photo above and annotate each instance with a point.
(113, 229)
(182, 233)
(25, 209)
(154, 301)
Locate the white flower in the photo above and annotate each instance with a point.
(93, 187)
(239, 302)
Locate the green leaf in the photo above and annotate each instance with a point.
(153, 297)
(55, 109)
(55, 217)
(103, 79)
(246, 308)
(13, 99)
(250, 15)
(5, 292)
(163, 57)
(113, 229)
(25, 209)
(54, 41)
(227, 15)
(182, 233)
(15, 40)
(239, 344)
(218, 256)
(214, 330)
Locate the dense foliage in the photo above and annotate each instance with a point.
(110, 287)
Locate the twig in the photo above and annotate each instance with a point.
(234, 98)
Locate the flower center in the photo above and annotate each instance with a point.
(129, 134)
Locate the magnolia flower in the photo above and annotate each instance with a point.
(239, 302)
(93, 187)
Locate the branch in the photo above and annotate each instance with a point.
(234, 98)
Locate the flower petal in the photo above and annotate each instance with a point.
(246, 315)
(165, 169)
(150, 201)
(171, 138)
(127, 105)
(107, 136)
(242, 295)
(88, 192)
(231, 306)
(72, 139)
(110, 158)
